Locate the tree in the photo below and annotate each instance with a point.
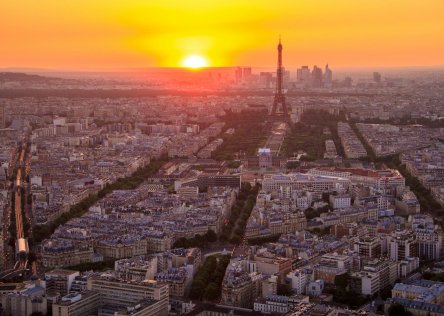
(263, 240)
(180, 243)
(199, 240)
(398, 310)
(210, 264)
(307, 158)
(249, 205)
(234, 164)
(238, 231)
(32, 257)
(326, 197)
(284, 289)
(211, 292)
(236, 239)
(246, 186)
(211, 236)
(208, 280)
(341, 281)
(197, 288)
(292, 164)
(438, 277)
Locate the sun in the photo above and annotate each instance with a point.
(194, 61)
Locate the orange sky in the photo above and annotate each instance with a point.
(97, 34)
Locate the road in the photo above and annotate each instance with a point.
(18, 206)
(19, 188)
(276, 138)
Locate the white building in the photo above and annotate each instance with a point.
(274, 304)
(407, 266)
(275, 183)
(299, 279)
(340, 201)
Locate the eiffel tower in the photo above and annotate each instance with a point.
(279, 96)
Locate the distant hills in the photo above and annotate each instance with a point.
(19, 76)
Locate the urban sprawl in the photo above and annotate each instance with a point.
(204, 203)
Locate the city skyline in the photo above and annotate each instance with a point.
(117, 35)
(194, 158)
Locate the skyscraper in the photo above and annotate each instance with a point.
(246, 73)
(242, 73)
(316, 77)
(266, 79)
(238, 74)
(328, 77)
(303, 73)
(377, 77)
(285, 78)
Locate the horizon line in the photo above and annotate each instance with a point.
(140, 69)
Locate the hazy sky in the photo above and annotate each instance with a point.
(94, 34)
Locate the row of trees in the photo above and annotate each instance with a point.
(41, 232)
(311, 213)
(234, 228)
(207, 283)
(263, 240)
(425, 198)
(437, 277)
(240, 212)
(398, 310)
(406, 121)
(95, 266)
(198, 240)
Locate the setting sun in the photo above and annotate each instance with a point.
(117, 34)
(195, 61)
